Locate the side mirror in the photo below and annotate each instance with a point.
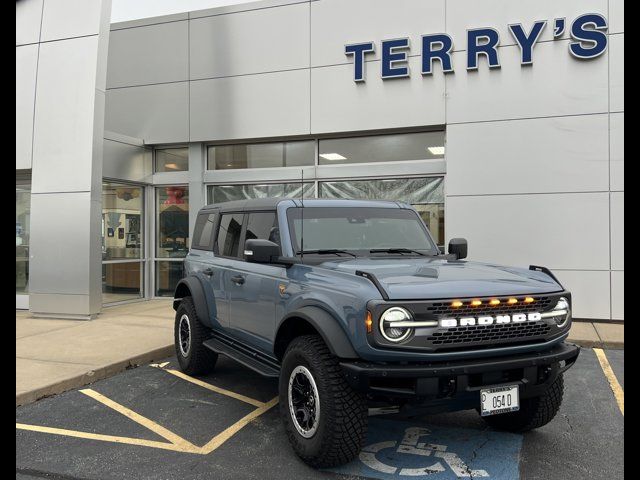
(458, 247)
(258, 250)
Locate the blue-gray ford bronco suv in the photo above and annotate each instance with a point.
(352, 305)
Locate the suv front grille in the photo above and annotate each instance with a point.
(497, 333)
(445, 310)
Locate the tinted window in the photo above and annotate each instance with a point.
(263, 225)
(203, 231)
(229, 234)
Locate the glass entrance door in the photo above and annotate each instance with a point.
(23, 217)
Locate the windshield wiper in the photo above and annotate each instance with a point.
(395, 250)
(327, 251)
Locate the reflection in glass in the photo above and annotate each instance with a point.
(426, 194)
(121, 221)
(172, 222)
(227, 193)
(382, 148)
(168, 274)
(261, 155)
(172, 159)
(23, 214)
(121, 281)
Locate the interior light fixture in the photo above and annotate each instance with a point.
(171, 166)
(436, 150)
(332, 156)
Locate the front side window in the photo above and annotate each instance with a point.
(362, 231)
(263, 225)
(228, 241)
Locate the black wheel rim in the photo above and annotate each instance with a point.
(184, 335)
(304, 402)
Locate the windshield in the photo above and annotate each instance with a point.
(360, 230)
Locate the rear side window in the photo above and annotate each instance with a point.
(228, 241)
(263, 225)
(203, 231)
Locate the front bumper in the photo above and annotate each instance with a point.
(461, 379)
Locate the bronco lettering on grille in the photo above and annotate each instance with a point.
(486, 320)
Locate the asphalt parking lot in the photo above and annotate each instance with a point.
(152, 422)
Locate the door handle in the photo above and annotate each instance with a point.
(238, 280)
(208, 272)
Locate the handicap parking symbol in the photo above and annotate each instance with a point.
(399, 449)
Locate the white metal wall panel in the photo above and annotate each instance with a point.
(616, 16)
(617, 295)
(26, 67)
(63, 19)
(616, 72)
(498, 14)
(263, 105)
(617, 151)
(154, 113)
(257, 41)
(556, 84)
(126, 162)
(339, 104)
(335, 23)
(543, 155)
(617, 230)
(28, 20)
(146, 55)
(64, 115)
(563, 231)
(589, 293)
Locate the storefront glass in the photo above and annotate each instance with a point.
(122, 242)
(227, 193)
(426, 194)
(261, 155)
(172, 159)
(23, 214)
(172, 236)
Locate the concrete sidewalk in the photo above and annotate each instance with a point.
(56, 355)
(53, 356)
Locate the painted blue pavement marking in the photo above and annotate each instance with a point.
(398, 449)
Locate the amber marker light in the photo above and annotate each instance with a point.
(512, 301)
(476, 303)
(528, 300)
(494, 302)
(369, 322)
(456, 304)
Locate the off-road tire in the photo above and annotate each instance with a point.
(534, 412)
(342, 424)
(199, 359)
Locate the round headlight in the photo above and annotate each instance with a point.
(391, 332)
(564, 307)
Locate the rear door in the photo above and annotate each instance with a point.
(253, 287)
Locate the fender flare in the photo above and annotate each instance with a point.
(329, 328)
(196, 289)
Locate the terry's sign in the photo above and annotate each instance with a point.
(588, 34)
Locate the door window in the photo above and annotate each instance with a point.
(228, 242)
(263, 225)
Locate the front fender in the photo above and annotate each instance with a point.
(329, 328)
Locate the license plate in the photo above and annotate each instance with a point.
(499, 400)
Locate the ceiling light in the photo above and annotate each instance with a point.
(171, 166)
(332, 156)
(436, 150)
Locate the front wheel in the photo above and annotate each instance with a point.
(534, 412)
(325, 419)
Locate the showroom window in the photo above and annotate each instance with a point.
(23, 222)
(262, 155)
(171, 159)
(426, 194)
(122, 242)
(172, 237)
(227, 193)
(382, 148)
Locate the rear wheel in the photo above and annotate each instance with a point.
(534, 412)
(189, 334)
(325, 419)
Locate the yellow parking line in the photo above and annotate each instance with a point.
(103, 438)
(226, 434)
(144, 421)
(618, 392)
(228, 393)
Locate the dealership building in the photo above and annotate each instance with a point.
(501, 122)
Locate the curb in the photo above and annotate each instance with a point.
(91, 376)
(613, 345)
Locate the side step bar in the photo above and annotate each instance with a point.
(256, 361)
